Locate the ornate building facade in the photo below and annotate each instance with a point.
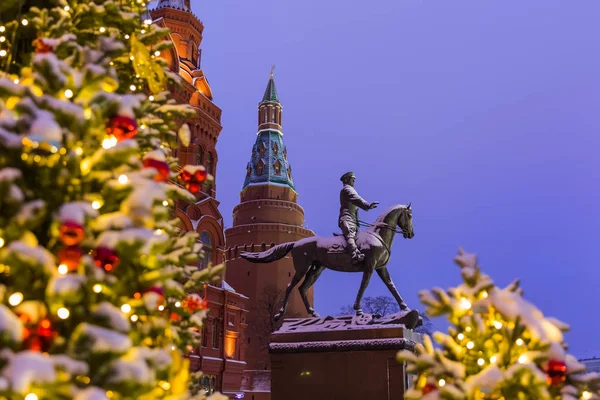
(268, 214)
(220, 355)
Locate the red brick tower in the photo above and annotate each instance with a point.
(220, 356)
(268, 214)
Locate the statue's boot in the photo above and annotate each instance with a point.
(357, 256)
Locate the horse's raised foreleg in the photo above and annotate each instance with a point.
(311, 277)
(363, 286)
(387, 279)
(297, 277)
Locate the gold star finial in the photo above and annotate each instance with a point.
(272, 69)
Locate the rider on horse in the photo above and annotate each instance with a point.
(350, 201)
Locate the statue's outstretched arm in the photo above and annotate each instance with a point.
(355, 199)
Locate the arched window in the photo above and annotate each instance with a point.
(207, 249)
(200, 155)
(209, 163)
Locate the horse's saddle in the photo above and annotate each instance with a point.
(336, 244)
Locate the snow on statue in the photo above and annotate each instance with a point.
(499, 346)
(94, 289)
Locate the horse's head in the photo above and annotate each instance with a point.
(405, 222)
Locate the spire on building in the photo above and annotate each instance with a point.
(179, 4)
(271, 92)
(269, 163)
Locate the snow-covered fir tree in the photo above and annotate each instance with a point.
(499, 346)
(96, 301)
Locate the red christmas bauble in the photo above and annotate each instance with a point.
(42, 47)
(430, 387)
(106, 258)
(193, 181)
(122, 127)
(37, 338)
(71, 233)
(556, 372)
(162, 168)
(70, 256)
(193, 303)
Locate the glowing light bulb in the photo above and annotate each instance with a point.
(67, 8)
(31, 396)
(161, 308)
(68, 93)
(134, 318)
(497, 324)
(2, 28)
(2, 240)
(157, 53)
(24, 22)
(165, 203)
(109, 142)
(484, 294)
(523, 359)
(470, 345)
(132, 88)
(2, 39)
(143, 31)
(127, 36)
(480, 362)
(586, 395)
(15, 299)
(97, 288)
(158, 232)
(63, 269)
(177, 304)
(460, 336)
(468, 329)
(465, 304)
(102, 30)
(148, 21)
(519, 342)
(3, 53)
(126, 308)
(78, 151)
(151, 98)
(442, 382)
(123, 179)
(96, 205)
(63, 313)
(172, 347)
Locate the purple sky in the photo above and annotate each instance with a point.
(483, 114)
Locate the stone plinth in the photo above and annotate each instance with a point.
(339, 358)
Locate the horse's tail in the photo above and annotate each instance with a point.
(273, 254)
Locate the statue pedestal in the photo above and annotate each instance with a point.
(339, 358)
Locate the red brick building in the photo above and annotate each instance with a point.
(220, 357)
(268, 214)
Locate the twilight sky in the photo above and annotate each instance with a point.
(483, 114)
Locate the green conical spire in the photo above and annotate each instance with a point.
(271, 92)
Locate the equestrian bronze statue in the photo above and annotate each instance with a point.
(312, 255)
(350, 202)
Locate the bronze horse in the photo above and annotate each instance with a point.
(312, 255)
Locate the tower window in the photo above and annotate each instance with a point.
(209, 163)
(200, 156)
(277, 167)
(260, 167)
(215, 332)
(275, 149)
(207, 249)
